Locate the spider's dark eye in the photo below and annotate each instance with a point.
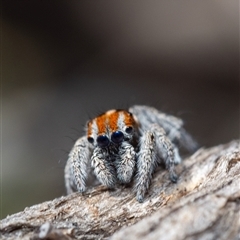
(117, 137)
(102, 141)
(129, 129)
(90, 139)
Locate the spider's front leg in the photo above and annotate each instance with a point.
(103, 167)
(146, 163)
(125, 162)
(153, 142)
(76, 167)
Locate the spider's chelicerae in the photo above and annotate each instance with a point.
(122, 145)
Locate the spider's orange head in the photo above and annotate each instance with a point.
(113, 126)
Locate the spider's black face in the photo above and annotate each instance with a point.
(111, 128)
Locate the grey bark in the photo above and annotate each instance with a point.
(204, 204)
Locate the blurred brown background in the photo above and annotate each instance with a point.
(65, 61)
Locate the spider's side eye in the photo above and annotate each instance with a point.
(129, 129)
(102, 141)
(90, 139)
(117, 137)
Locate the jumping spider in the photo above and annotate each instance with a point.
(122, 145)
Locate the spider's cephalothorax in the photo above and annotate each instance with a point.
(122, 145)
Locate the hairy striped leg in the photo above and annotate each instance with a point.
(149, 115)
(172, 125)
(125, 162)
(146, 163)
(76, 168)
(166, 150)
(103, 167)
(69, 179)
(153, 143)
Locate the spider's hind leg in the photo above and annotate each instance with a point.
(167, 151)
(172, 125)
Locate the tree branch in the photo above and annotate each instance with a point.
(204, 204)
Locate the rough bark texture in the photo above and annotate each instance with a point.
(204, 204)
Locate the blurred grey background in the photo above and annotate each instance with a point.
(66, 61)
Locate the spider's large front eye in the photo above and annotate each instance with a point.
(117, 137)
(102, 141)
